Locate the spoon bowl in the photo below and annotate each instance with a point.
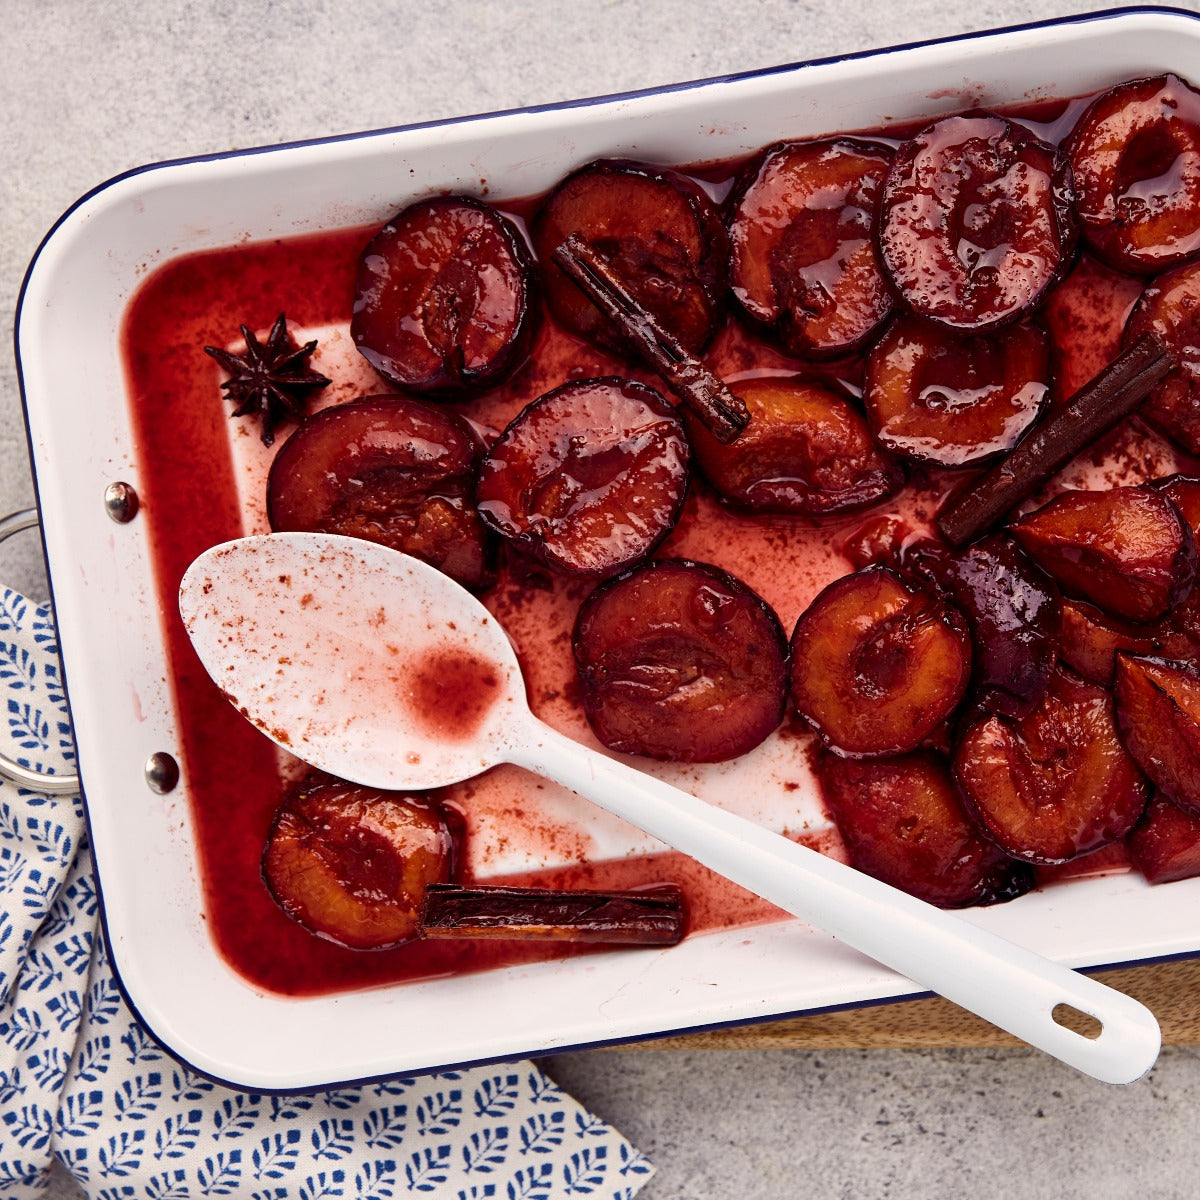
(358, 660)
(381, 670)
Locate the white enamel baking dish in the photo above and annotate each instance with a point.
(111, 634)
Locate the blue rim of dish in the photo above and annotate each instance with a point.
(1101, 15)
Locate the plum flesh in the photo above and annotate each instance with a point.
(589, 478)
(975, 221)
(1127, 549)
(803, 261)
(952, 401)
(902, 821)
(657, 229)
(1135, 154)
(445, 298)
(1057, 783)
(806, 450)
(388, 469)
(878, 663)
(680, 661)
(1158, 711)
(352, 864)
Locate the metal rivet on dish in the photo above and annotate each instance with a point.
(162, 772)
(121, 502)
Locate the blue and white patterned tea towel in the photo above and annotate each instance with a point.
(82, 1082)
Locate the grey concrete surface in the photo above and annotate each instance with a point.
(93, 87)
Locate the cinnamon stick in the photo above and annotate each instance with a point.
(650, 917)
(722, 413)
(1055, 440)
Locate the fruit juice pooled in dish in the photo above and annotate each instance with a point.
(759, 558)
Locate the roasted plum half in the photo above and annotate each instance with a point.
(878, 663)
(445, 298)
(1012, 611)
(1165, 843)
(903, 822)
(955, 401)
(975, 221)
(1057, 783)
(352, 864)
(806, 450)
(1092, 639)
(803, 262)
(388, 469)
(1135, 153)
(1158, 711)
(1170, 307)
(658, 230)
(589, 478)
(680, 661)
(1128, 549)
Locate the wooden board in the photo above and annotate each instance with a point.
(1171, 990)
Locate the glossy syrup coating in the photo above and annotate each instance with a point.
(1091, 640)
(445, 298)
(803, 261)
(1165, 843)
(352, 863)
(1158, 711)
(588, 478)
(954, 401)
(1127, 549)
(975, 221)
(1012, 610)
(903, 821)
(1170, 307)
(807, 450)
(1135, 153)
(661, 233)
(388, 469)
(879, 663)
(681, 661)
(1057, 783)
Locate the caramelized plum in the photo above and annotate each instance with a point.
(388, 469)
(1011, 607)
(445, 298)
(1170, 307)
(588, 478)
(806, 450)
(1158, 710)
(953, 401)
(1135, 153)
(1165, 843)
(1184, 492)
(1055, 784)
(878, 663)
(902, 821)
(1091, 640)
(660, 232)
(1127, 550)
(680, 661)
(975, 221)
(352, 863)
(803, 261)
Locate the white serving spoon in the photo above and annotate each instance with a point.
(381, 670)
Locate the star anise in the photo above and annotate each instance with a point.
(271, 379)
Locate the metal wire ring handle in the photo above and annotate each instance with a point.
(35, 781)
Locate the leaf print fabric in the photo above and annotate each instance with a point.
(82, 1081)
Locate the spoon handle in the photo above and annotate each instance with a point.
(1006, 984)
